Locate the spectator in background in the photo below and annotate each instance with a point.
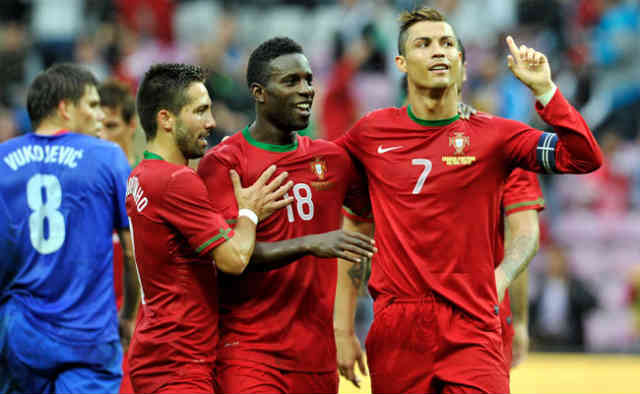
(340, 107)
(148, 17)
(614, 52)
(13, 52)
(55, 25)
(617, 199)
(358, 80)
(88, 53)
(634, 301)
(7, 125)
(232, 106)
(587, 193)
(148, 38)
(559, 310)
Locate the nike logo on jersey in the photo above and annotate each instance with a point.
(382, 150)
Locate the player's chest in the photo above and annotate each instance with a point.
(319, 186)
(419, 163)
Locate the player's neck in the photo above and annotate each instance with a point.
(169, 151)
(264, 131)
(127, 147)
(433, 104)
(51, 126)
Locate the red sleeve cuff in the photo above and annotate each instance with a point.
(538, 205)
(207, 246)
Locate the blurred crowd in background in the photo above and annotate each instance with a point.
(585, 281)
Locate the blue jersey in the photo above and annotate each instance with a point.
(66, 194)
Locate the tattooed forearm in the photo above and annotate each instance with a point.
(519, 294)
(359, 273)
(518, 254)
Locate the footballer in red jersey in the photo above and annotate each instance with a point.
(435, 186)
(176, 233)
(276, 327)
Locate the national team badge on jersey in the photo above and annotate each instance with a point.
(319, 168)
(460, 143)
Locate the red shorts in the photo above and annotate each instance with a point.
(182, 378)
(429, 345)
(249, 377)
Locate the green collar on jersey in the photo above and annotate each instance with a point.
(269, 147)
(424, 122)
(152, 156)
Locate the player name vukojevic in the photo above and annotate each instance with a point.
(134, 189)
(60, 154)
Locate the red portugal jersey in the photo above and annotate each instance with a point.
(436, 190)
(284, 317)
(174, 228)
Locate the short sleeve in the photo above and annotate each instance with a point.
(215, 174)
(349, 140)
(357, 205)
(187, 207)
(120, 171)
(7, 245)
(522, 192)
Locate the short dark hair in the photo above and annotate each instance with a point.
(163, 87)
(115, 94)
(410, 18)
(257, 69)
(63, 81)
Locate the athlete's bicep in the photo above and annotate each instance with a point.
(522, 192)
(357, 202)
(351, 139)
(186, 207)
(215, 175)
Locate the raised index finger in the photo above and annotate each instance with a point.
(515, 52)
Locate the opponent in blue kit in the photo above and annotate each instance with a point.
(65, 193)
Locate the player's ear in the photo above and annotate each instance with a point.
(401, 63)
(63, 109)
(132, 126)
(257, 91)
(165, 120)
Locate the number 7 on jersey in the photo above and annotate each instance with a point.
(423, 176)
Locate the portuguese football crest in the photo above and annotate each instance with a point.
(319, 168)
(459, 141)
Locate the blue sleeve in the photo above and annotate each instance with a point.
(8, 260)
(121, 171)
